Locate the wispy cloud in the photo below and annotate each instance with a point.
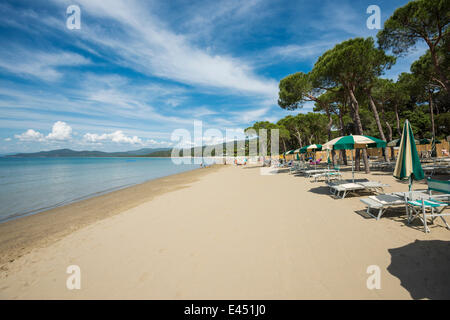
(149, 47)
(38, 64)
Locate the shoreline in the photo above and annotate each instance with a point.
(20, 235)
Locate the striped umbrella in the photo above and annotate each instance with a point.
(289, 152)
(427, 141)
(434, 141)
(311, 147)
(354, 142)
(396, 143)
(408, 162)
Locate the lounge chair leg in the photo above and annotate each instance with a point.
(443, 219)
(425, 219)
(380, 212)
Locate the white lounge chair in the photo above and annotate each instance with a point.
(345, 187)
(328, 176)
(373, 186)
(309, 173)
(382, 202)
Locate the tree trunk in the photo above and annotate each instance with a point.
(397, 119)
(359, 127)
(329, 125)
(433, 132)
(431, 113)
(377, 120)
(388, 126)
(341, 123)
(299, 137)
(443, 80)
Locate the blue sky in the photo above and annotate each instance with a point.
(138, 70)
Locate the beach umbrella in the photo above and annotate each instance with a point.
(396, 143)
(433, 147)
(354, 142)
(408, 162)
(311, 147)
(289, 152)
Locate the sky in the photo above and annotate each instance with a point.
(136, 71)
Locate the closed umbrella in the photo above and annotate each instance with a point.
(434, 141)
(408, 162)
(354, 142)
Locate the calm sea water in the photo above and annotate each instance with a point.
(31, 185)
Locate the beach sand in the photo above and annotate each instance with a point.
(229, 234)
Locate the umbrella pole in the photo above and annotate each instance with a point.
(410, 183)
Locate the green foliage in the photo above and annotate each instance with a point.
(419, 118)
(295, 89)
(420, 19)
(351, 63)
(442, 122)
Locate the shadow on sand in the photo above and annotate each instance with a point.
(423, 268)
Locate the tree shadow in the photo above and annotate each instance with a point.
(423, 268)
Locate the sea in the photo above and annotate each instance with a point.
(32, 185)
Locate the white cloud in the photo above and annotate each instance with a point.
(30, 135)
(298, 52)
(147, 46)
(250, 115)
(117, 136)
(42, 65)
(8, 139)
(60, 131)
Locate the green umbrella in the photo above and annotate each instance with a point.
(289, 152)
(433, 146)
(427, 141)
(396, 142)
(408, 162)
(311, 147)
(354, 142)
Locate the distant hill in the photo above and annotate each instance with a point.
(144, 152)
(66, 153)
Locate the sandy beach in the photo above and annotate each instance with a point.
(224, 233)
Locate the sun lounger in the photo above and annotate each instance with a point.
(345, 187)
(328, 176)
(381, 203)
(309, 173)
(374, 186)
